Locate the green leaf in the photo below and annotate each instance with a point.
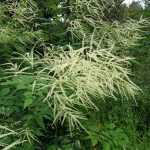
(40, 121)
(28, 99)
(106, 146)
(94, 141)
(28, 102)
(26, 146)
(52, 147)
(67, 147)
(94, 138)
(4, 92)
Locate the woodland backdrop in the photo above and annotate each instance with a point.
(74, 75)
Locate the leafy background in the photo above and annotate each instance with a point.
(26, 122)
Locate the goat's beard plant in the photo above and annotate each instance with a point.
(75, 80)
(94, 16)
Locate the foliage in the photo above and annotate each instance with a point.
(90, 22)
(65, 78)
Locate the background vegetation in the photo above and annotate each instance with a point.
(74, 75)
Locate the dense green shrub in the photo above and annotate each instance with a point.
(65, 77)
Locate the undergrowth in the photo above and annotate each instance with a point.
(66, 77)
